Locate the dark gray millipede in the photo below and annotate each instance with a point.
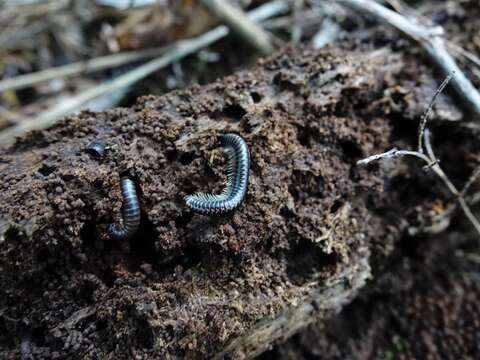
(130, 212)
(96, 148)
(238, 170)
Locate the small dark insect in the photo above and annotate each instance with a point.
(238, 169)
(131, 212)
(96, 148)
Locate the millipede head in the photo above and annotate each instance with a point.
(96, 148)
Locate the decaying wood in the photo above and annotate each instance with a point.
(191, 286)
(321, 303)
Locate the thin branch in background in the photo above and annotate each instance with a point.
(427, 112)
(474, 177)
(328, 32)
(461, 52)
(436, 166)
(239, 22)
(296, 33)
(474, 199)
(82, 67)
(432, 41)
(476, 72)
(468, 212)
(178, 51)
(465, 53)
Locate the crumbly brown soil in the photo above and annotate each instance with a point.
(193, 286)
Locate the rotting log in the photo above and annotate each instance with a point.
(191, 286)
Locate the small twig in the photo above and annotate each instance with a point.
(427, 112)
(179, 51)
(436, 167)
(468, 212)
(296, 32)
(394, 153)
(465, 53)
(328, 32)
(429, 166)
(475, 175)
(432, 162)
(82, 67)
(474, 199)
(239, 22)
(432, 41)
(461, 200)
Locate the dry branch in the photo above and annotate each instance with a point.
(393, 153)
(82, 67)
(473, 178)
(427, 112)
(240, 23)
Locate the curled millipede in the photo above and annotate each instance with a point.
(96, 148)
(131, 212)
(238, 169)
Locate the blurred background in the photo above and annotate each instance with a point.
(56, 53)
(59, 57)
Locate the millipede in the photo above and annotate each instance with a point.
(238, 170)
(96, 148)
(130, 212)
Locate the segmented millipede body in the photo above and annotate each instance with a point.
(130, 212)
(238, 170)
(96, 148)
